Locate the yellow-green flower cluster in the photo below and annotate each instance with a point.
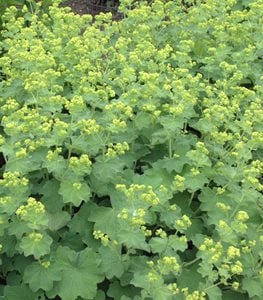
(27, 146)
(183, 223)
(150, 196)
(232, 252)
(75, 105)
(221, 137)
(77, 185)
(199, 157)
(131, 190)
(117, 149)
(220, 190)
(2, 140)
(135, 217)
(89, 126)
(149, 107)
(195, 295)
(252, 174)
(168, 264)
(141, 195)
(117, 124)
(5, 200)
(60, 128)
(164, 266)
(236, 268)
(45, 264)
(179, 183)
(54, 154)
(147, 232)
(160, 232)
(13, 179)
(36, 237)
(99, 235)
(238, 224)
(247, 246)
(173, 288)
(175, 110)
(83, 160)
(25, 120)
(214, 251)
(53, 103)
(10, 106)
(120, 108)
(195, 171)
(224, 229)
(33, 207)
(241, 216)
(225, 208)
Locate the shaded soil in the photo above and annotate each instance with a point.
(77, 6)
(92, 7)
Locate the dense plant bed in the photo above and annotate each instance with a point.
(132, 153)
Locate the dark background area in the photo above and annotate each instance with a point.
(92, 6)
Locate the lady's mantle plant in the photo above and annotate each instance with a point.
(132, 152)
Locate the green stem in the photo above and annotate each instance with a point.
(70, 209)
(260, 227)
(191, 198)
(170, 148)
(187, 264)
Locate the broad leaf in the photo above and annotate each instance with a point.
(39, 276)
(80, 273)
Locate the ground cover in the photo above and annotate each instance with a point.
(131, 152)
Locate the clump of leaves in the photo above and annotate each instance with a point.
(132, 152)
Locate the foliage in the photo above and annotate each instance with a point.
(132, 152)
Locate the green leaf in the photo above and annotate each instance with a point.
(111, 263)
(74, 192)
(172, 124)
(21, 292)
(100, 295)
(80, 273)
(196, 227)
(29, 164)
(177, 244)
(58, 220)
(172, 164)
(105, 220)
(232, 295)
(37, 221)
(253, 286)
(158, 245)
(80, 223)
(161, 293)
(40, 277)
(56, 166)
(214, 293)
(4, 222)
(117, 291)
(169, 216)
(133, 239)
(51, 198)
(31, 245)
(9, 207)
(106, 171)
(143, 120)
(195, 182)
(187, 273)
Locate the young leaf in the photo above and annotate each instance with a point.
(36, 244)
(74, 192)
